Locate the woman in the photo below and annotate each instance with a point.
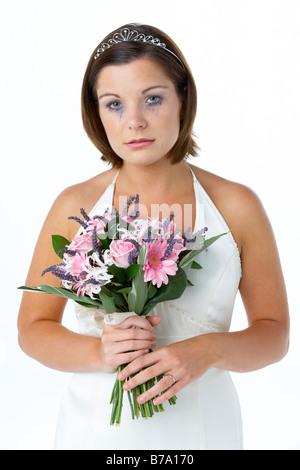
(138, 108)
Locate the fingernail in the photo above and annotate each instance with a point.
(126, 386)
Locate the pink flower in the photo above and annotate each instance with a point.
(119, 251)
(82, 243)
(96, 223)
(156, 268)
(75, 265)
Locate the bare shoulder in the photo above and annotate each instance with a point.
(239, 205)
(81, 195)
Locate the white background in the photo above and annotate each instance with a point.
(245, 59)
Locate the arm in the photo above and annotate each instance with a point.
(262, 289)
(41, 333)
(263, 292)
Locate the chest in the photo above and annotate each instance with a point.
(181, 206)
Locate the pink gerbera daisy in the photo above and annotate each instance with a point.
(156, 267)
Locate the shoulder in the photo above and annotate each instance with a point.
(83, 195)
(239, 205)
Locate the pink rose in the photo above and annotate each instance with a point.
(119, 251)
(82, 243)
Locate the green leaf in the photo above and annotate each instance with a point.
(119, 300)
(187, 260)
(105, 242)
(112, 228)
(119, 273)
(212, 240)
(152, 290)
(59, 243)
(138, 295)
(62, 292)
(132, 271)
(124, 290)
(173, 290)
(143, 255)
(196, 265)
(108, 303)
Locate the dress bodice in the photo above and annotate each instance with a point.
(205, 306)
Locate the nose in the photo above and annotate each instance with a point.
(136, 119)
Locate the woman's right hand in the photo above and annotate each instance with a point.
(126, 341)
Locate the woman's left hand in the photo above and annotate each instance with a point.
(186, 361)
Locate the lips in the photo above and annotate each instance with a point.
(139, 143)
(136, 141)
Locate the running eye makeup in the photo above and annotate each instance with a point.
(150, 101)
(154, 101)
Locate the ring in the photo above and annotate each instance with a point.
(172, 377)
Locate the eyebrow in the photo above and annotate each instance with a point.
(143, 92)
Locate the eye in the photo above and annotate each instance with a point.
(153, 100)
(114, 106)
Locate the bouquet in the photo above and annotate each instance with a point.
(123, 263)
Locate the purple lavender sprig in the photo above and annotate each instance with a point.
(167, 222)
(67, 252)
(193, 240)
(95, 240)
(84, 214)
(91, 281)
(130, 200)
(134, 253)
(81, 222)
(60, 273)
(171, 242)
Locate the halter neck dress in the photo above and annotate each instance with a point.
(207, 414)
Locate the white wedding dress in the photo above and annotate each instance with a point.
(207, 413)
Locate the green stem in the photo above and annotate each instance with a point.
(146, 410)
(116, 400)
(131, 404)
(146, 404)
(119, 403)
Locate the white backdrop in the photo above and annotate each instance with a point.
(245, 59)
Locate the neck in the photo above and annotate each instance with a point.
(160, 178)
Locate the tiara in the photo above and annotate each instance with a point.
(132, 35)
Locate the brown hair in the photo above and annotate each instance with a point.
(126, 52)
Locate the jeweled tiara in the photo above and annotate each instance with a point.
(133, 35)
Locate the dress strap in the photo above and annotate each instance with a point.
(199, 221)
(106, 200)
(115, 178)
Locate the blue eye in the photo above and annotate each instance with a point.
(114, 106)
(153, 100)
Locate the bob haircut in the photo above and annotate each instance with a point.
(124, 53)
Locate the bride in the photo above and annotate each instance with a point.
(138, 108)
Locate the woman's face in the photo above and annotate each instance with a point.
(139, 109)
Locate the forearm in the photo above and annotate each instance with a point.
(56, 347)
(261, 344)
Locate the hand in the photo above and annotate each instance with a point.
(186, 361)
(126, 341)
